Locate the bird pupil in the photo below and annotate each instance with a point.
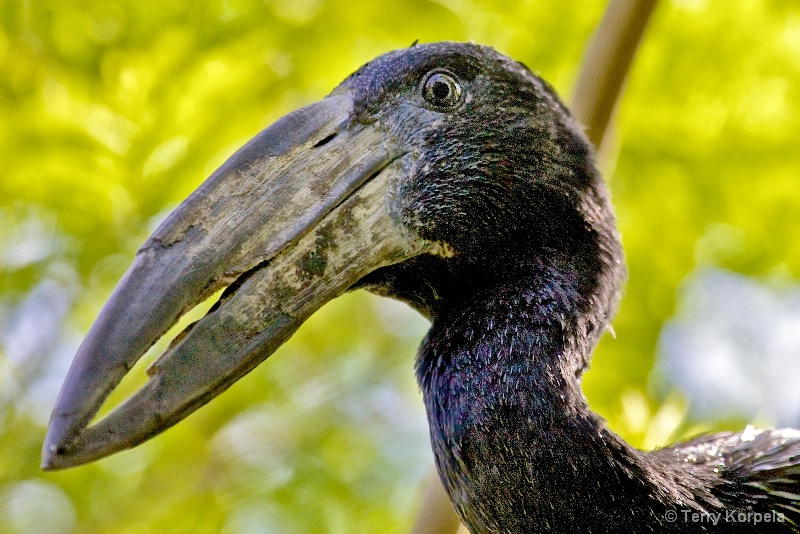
(441, 89)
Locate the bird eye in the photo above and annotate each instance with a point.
(442, 90)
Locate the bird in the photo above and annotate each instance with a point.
(450, 177)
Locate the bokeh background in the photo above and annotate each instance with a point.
(113, 111)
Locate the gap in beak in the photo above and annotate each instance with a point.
(325, 140)
(139, 373)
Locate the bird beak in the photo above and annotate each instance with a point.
(290, 221)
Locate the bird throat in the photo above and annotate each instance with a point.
(515, 442)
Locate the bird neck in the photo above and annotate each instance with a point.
(501, 384)
(520, 346)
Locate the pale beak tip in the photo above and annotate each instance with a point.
(55, 458)
(52, 458)
(57, 452)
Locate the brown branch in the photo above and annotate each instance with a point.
(606, 64)
(436, 514)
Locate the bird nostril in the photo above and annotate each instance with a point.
(325, 140)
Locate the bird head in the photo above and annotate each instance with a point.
(428, 174)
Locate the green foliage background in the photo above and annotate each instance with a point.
(112, 111)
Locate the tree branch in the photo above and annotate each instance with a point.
(436, 514)
(606, 64)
